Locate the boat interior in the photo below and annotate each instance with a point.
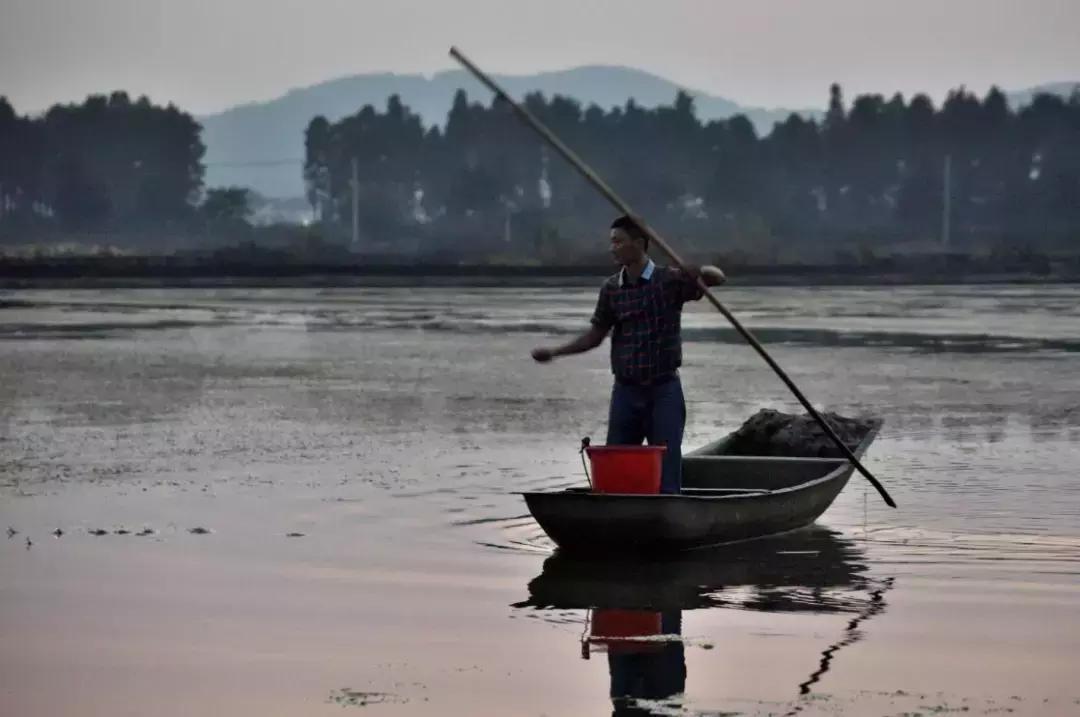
(716, 474)
(720, 475)
(711, 471)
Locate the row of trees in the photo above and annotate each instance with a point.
(872, 171)
(108, 164)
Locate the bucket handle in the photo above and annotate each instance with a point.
(581, 452)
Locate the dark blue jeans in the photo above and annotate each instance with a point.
(653, 413)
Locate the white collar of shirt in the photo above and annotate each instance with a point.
(646, 273)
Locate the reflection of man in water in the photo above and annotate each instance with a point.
(649, 675)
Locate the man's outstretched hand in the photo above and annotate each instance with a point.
(590, 339)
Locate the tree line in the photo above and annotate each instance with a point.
(872, 171)
(109, 165)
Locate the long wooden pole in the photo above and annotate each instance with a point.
(659, 241)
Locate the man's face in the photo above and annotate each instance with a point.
(624, 248)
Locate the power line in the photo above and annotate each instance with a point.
(281, 162)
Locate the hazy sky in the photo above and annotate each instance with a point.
(208, 54)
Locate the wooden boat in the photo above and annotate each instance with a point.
(725, 498)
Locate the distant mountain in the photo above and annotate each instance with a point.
(260, 145)
(1019, 98)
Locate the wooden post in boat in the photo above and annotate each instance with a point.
(655, 238)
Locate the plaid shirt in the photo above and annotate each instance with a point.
(645, 315)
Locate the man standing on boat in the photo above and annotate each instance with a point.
(642, 306)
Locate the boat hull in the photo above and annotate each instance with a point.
(583, 521)
(725, 499)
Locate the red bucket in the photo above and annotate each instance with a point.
(626, 469)
(616, 629)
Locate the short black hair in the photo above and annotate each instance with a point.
(631, 227)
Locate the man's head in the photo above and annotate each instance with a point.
(628, 242)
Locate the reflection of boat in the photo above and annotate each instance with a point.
(634, 603)
(725, 498)
(812, 569)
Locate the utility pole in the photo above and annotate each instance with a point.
(355, 183)
(327, 202)
(946, 214)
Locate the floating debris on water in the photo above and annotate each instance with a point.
(347, 697)
(121, 531)
(144, 532)
(199, 531)
(98, 532)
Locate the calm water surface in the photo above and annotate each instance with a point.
(389, 430)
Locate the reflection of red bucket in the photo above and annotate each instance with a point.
(626, 469)
(615, 628)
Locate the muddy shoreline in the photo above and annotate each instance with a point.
(178, 271)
